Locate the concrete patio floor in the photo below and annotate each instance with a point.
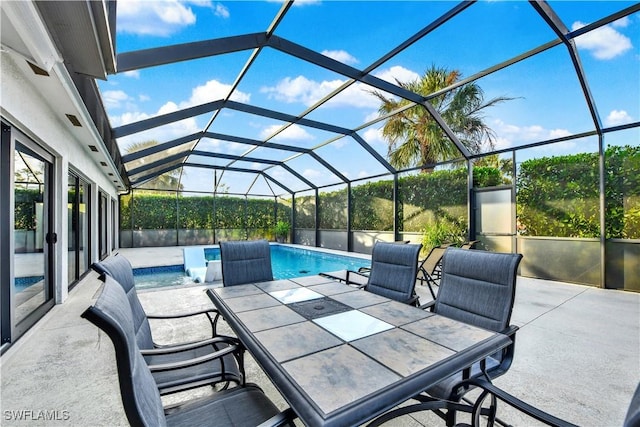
(577, 355)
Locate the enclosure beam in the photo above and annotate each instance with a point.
(164, 119)
(145, 58)
(331, 64)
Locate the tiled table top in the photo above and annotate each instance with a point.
(358, 357)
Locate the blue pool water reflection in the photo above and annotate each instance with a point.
(286, 262)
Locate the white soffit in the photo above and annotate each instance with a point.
(24, 33)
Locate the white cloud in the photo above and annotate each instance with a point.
(292, 133)
(604, 42)
(341, 55)
(397, 73)
(618, 117)
(510, 135)
(210, 91)
(558, 133)
(221, 10)
(213, 90)
(144, 98)
(374, 136)
(114, 98)
(162, 134)
(307, 92)
(300, 89)
(158, 18)
(622, 22)
(134, 74)
(357, 95)
(216, 145)
(312, 174)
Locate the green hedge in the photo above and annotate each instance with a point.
(305, 212)
(372, 206)
(159, 211)
(556, 196)
(426, 199)
(623, 192)
(559, 196)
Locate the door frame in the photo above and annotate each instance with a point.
(13, 140)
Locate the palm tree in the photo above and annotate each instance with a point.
(416, 139)
(168, 180)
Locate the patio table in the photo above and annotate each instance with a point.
(342, 356)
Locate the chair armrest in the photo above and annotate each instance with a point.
(211, 314)
(180, 315)
(510, 330)
(283, 418)
(491, 390)
(168, 349)
(359, 285)
(428, 305)
(196, 360)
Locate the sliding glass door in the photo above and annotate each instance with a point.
(34, 239)
(78, 225)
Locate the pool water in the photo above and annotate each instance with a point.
(286, 263)
(155, 277)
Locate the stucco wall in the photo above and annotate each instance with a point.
(37, 108)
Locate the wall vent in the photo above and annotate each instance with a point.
(74, 120)
(93, 148)
(37, 70)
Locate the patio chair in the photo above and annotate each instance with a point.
(478, 288)
(429, 271)
(632, 419)
(393, 271)
(240, 406)
(245, 262)
(229, 368)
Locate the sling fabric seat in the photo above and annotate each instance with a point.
(478, 288)
(229, 367)
(429, 271)
(393, 271)
(245, 262)
(241, 406)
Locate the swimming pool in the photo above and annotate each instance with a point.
(156, 277)
(286, 262)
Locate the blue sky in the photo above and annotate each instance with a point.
(547, 102)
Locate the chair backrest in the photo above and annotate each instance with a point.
(633, 413)
(430, 263)
(245, 262)
(469, 245)
(478, 287)
(140, 396)
(120, 269)
(393, 270)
